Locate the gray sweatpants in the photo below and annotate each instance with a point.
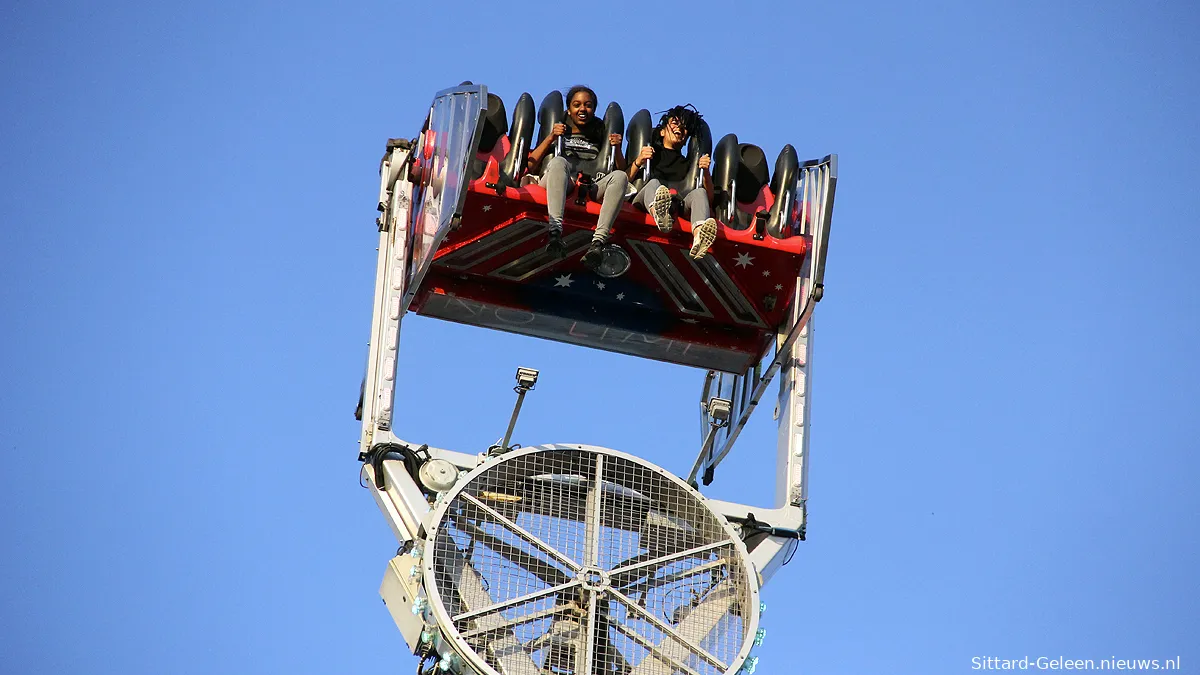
(558, 178)
(695, 201)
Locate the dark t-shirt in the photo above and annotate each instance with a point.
(668, 166)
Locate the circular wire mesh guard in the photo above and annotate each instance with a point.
(583, 562)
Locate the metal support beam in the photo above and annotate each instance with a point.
(816, 187)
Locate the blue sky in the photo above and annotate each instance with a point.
(1004, 428)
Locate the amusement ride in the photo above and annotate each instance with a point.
(571, 559)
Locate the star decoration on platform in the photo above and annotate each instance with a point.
(779, 287)
(565, 281)
(620, 296)
(487, 207)
(744, 260)
(600, 285)
(766, 273)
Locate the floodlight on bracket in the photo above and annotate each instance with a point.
(526, 379)
(719, 411)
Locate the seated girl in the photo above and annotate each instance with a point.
(583, 136)
(669, 169)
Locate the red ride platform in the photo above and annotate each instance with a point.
(720, 312)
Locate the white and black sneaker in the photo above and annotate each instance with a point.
(704, 234)
(660, 208)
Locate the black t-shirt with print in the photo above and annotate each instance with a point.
(583, 145)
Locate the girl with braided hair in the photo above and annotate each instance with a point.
(668, 169)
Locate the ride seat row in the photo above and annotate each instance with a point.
(745, 194)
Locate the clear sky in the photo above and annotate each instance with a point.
(1005, 438)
